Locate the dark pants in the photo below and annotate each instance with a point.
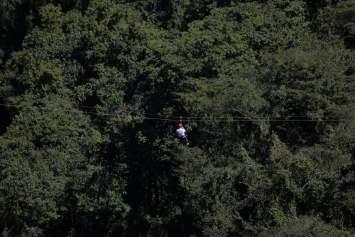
(183, 140)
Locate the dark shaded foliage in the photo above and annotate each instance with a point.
(90, 96)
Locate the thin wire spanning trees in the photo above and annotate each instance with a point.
(189, 118)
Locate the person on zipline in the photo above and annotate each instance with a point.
(181, 133)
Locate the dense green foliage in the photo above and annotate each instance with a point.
(90, 95)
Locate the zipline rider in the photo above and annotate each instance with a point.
(181, 133)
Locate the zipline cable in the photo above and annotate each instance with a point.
(250, 117)
(145, 116)
(159, 113)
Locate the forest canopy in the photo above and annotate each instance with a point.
(91, 93)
